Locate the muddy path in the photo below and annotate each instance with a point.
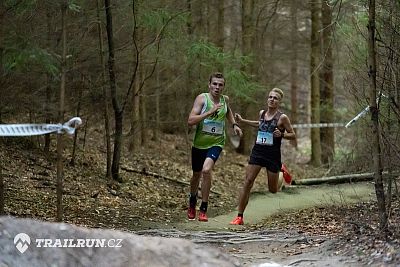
(252, 247)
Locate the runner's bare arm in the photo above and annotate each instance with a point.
(289, 132)
(231, 118)
(239, 118)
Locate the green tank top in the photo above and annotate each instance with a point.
(211, 131)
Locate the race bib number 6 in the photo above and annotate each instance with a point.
(213, 127)
(265, 138)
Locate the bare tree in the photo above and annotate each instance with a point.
(136, 82)
(326, 110)
(375, 136)
(247, 45)
(315, 6)
(293, 66)
(60, 145)
(105, 94)
(118, 111)
(1, 190)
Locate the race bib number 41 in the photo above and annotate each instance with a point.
(213, 127)
(265, 138)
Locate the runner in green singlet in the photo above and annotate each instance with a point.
(209, 113)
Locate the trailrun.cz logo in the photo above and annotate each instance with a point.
(22, 242)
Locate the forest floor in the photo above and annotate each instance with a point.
(154, 193)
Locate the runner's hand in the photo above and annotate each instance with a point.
(215, 108)
(238, 118)
(238, 131)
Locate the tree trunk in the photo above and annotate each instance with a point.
(375, 135)
(60, 163)
(293, 67)
(136, 127)
(143, 119)
(327, 116)
(117, 146)
(1, 190)
(118, 114)
(247, 45)
(135, 133)
(216, 18)
(78, 113)
(105, 95)
(47, 137)
(157, 128)
(314, 77)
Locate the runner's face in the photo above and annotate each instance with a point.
(273, 100)
(216, 86)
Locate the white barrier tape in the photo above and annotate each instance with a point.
(39, 129)
(364, 111)
(359, 115)
(318, 125)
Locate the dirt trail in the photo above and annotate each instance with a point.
(262, 205)
(282, 248)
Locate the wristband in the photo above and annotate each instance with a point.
(233, 125)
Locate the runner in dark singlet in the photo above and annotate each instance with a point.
(273, 126)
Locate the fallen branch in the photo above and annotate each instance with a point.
(347, 178)
(335, 179)
(156, 175)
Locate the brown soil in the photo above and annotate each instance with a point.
(154, 195)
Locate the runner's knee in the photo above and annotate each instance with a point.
(206, 172)
(248, 183)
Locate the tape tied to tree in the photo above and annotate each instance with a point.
(39, 129)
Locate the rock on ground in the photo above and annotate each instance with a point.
(96, 247)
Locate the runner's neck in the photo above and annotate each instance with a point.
(270, 114)
(214, 99)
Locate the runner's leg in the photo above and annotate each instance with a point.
(273, 181)
(251, 174)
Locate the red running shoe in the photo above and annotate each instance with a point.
(237, 221)
(286, 175)
(191, 213)
(203, 216)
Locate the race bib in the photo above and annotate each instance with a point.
(213, 127)
(265, 138)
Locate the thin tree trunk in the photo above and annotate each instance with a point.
(60, 163)
(78, 113)
(1, 190)
(118, 113)
(293, 67)
(314, 76)
(47, 137)
(143, 116)
(1, 105)
(391, 130)
(135, 125)
(105, 95)
(136, 129)
(247, 45)
(156, 129)
(327, 116)
(375, 141)
(216, 18)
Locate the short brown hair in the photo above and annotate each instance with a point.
(218, 75)
(279, 91)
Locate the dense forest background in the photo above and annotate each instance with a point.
(131, 70)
